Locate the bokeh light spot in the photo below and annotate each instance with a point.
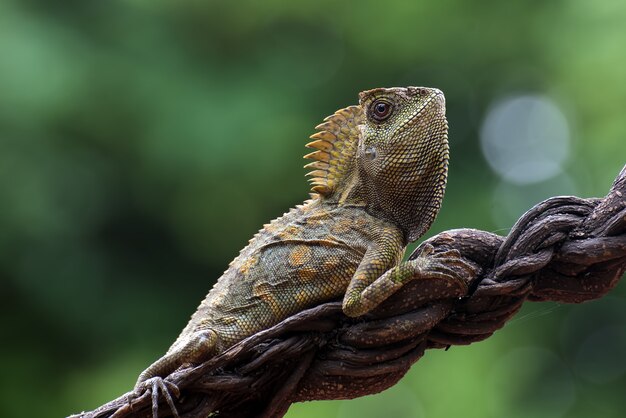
(525, 139)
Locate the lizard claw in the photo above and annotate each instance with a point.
(154, 385)
(158, 384)
(448, 265)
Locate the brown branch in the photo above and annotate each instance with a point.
(564, 249)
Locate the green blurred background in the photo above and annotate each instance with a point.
(142, 143)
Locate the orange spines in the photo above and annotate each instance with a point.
(335, 144)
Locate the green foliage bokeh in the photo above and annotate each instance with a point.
(142, 143)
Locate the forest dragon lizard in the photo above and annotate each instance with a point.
(378, 177)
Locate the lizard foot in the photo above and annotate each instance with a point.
(446, 265)
(155, 385)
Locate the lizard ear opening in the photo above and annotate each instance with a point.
(335, 145)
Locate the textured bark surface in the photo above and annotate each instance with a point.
(565, 249)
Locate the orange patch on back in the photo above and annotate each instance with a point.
(300, 255)
(319, 217)
(302, 297)
(289, 232)
(247, 265)
(329, 265)
(307, 273)
(342, 226)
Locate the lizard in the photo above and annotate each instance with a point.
(379, 172)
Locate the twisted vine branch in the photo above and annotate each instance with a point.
(564, 249)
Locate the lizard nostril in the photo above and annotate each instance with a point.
(418, 91)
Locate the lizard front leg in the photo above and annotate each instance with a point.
(194, 348)
(380, 275)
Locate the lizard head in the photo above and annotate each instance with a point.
(389, 154)
(402, 157)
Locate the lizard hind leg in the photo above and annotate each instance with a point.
(193, 348)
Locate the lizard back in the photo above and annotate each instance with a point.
(301, 259)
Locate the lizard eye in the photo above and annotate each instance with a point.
(381, 110)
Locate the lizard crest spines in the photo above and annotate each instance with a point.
(335, 144)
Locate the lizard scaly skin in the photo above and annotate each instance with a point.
(379, 174)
